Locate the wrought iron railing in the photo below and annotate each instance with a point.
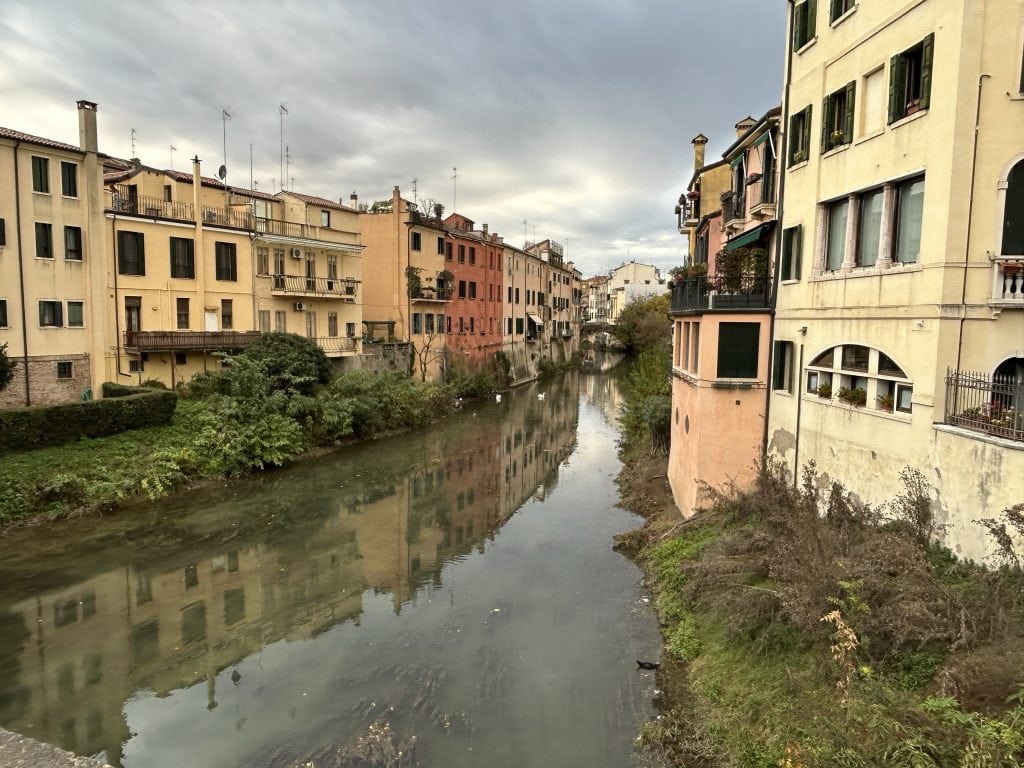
(124, 199)
(720, 292)
(733, 207)
(226, 217)
(168, 341)
(297, 285)
(430, 293)
(335, 344)
(992, 404)
(287, 228)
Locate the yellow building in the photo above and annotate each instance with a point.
(900, 315)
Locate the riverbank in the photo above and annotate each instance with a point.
(799, 641)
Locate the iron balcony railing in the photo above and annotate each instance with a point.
(226, 217)
(169, 341)
(733, 207)
(430, 293)
(124, 199)
(991, 404)
(337, 344)
(287, 228)
(721, 292)
(327, 287)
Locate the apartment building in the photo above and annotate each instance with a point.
(595, 299)
(899, 337)
(475, 258)
(629, 282)
(721, 316)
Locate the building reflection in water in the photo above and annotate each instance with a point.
(171, 605)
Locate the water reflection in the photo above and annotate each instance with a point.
(180, 600)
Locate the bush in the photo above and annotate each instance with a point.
(291, 362)
(469, 382)
(122, 408)
(7, 367)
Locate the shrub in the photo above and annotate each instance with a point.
(7, 367)
(291, 362)
(856, 396)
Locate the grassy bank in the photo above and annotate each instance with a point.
(804, 629)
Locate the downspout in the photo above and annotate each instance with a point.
(970, 221)
(117, 311)
(21, 276)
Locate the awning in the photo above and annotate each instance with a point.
(762, 139)
(534, 319)
(749, 237)
(737, 161)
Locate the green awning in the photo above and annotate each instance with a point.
(761, 139)
(737, 161)
(748, 237)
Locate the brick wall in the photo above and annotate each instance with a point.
(45, 387)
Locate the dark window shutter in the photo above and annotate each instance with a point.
(897, 88)
(927, 52)
(851, 94)
(42, 314)
(798, 250)
(3, 233)
(807, 131)
(827, 107)
(140, 245)
(790, 143)
(786, 267)
(799, 25)
(837, 10)
(778, 363)
(738, 350)
(812, 17)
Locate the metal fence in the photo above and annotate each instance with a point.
(987, 403)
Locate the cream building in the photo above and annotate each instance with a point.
(899, 336)
(628, 282)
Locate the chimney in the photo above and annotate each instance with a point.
(197, 178)
(484, 226)
(353, 201)
(745, 125)
(87, 126)
(699, 142)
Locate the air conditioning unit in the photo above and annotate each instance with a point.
(299, 306)
(296, 253)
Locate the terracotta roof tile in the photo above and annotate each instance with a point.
(321, 201)
(9, 133)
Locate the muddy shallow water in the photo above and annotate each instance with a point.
(448, 598)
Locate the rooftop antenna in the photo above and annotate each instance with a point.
(224, 117)
(293, 183)
(415, 198)
(282, 110)
(173, 150)
(287, 166)
(133, 143)
(525, 239)
(455, 189)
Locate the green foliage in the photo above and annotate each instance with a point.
(643, 324)
(468, 381)
(122, 408)
(290, 361)
(739, 268)
(414, 282)
(7, 367)
(647, 413)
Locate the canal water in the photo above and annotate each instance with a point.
(448, 598)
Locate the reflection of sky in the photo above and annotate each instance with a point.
(526, 648)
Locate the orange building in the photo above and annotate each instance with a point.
(474, 321)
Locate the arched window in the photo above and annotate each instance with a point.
(861, 377)
(1013, 212)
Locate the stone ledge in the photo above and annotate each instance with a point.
(18, 751)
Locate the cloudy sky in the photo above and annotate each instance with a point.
(575, 115)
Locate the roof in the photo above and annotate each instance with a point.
(323, 202)
(182, 176)
(704, 169)
(28, 138)
(766, 118)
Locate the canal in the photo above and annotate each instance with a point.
(448, 598)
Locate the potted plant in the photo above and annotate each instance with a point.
(799, 156)
(854, 396)
(885, 402)
(824, 391)
(836, 138)
(693, 194)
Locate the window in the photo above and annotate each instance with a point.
(910, 79)
(65, 369)
(332, 269)
(909, 212)
(263, 320)
(462, 289)
(76, 314)
(804, 17)
(508, 326)
(440, 245)
(168, 193)
(448, 251)
(72, 243)
(350, 329)
(837, 120)
(51, 314)
(417, 323)
(428, 322)
(227, 314)
(44, 241)
(800, 136)
(861, 377)
(472, 255)
(873, 102)
(3, 313)
(839, 7)
(836, 244)
(180, 358)
(519, 326)
(133, 313)
(869, 228)
(472, 325)
(279, 263)
(40, 175)
(517, 295)
(325, 218)
(472, 289)
(1013, 213)
(415, 243)
(131, 253)
(136, 365)
(183, 257)
(440, 323)
(226, 261)
(262, 260)
(782, 367)
(462, 254)
(68, 179)
(3, 232)
(280, 321)
(792, 248)
(181, 310)
(310, 325)
(738, 350)
(332, 324)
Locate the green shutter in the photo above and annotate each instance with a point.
(799, 16)
(786, 267)
(798, 251)
(812, 15)
(140, 242)
(927, 51)
(837, 10)
(807, 131)
(827, 108)
(851, 94)
(897, 88)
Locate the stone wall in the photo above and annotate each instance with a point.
(44, 386)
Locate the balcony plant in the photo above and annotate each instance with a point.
(824, 391)
(854, 396)
(836, 138)
(799, 156)
(739, 270)
(693, 194)
(415, 283)
(885, 402)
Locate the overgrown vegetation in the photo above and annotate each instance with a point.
(263, 408)
(7, 367)
(644, 324)
(647, 413)
(813, 630)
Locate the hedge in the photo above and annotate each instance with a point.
(122, 408)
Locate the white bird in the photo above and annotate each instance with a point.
(497, 398)
(540, 396)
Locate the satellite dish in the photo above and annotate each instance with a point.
(222, 172)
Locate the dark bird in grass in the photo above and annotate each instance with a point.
(647, 664)
(235, 677)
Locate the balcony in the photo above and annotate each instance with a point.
(124, 199)
(761, 196)
(993, 405)
(733, 211)
(1008, 282)
(723, 293)
(227, 217)
(182, 341)
(282, 228)
(337, 345)
(431, 293)
(314, 287)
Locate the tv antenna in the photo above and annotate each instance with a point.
(415, 199)
(173, 150)
(224, 117)
(282, 110)
(287, 166)
(134, 136)
(455, 189)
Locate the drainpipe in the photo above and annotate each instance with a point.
(117, 310)
(970, 221)
(773, 299)
(21, 276)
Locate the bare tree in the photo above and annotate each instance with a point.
(429, 350)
